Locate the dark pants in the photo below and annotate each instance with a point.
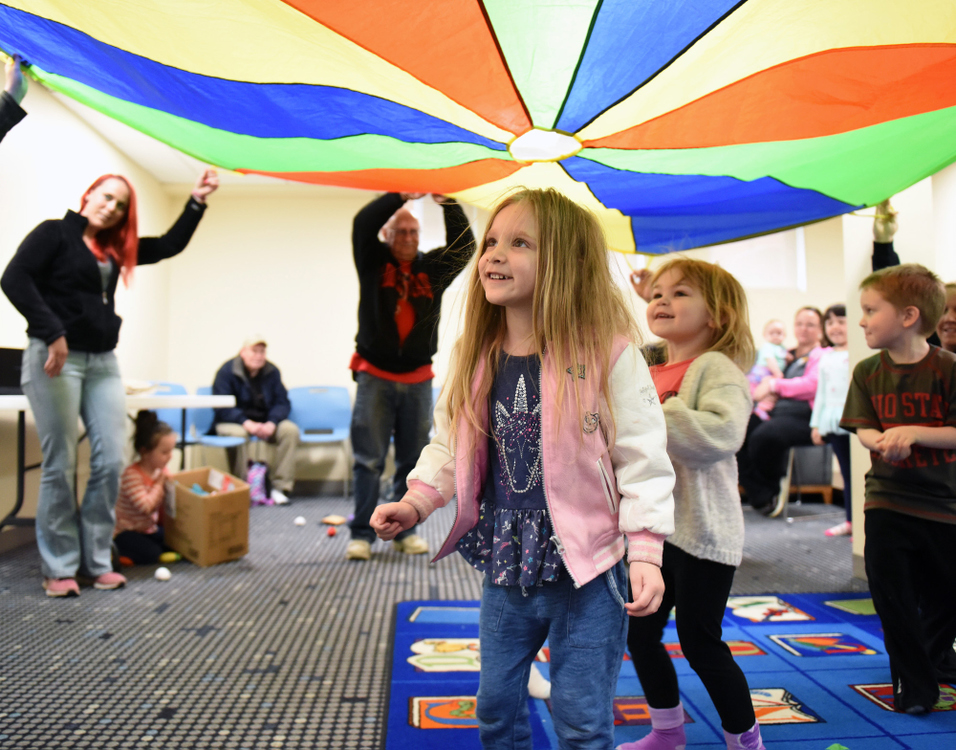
(841, 449)
(762, 460)
(699, 589)
(142, 549)
(383, 408)
(909, 563)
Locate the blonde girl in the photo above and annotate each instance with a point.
(700, 312)
(549, 434)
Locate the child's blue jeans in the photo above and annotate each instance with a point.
(586, 630)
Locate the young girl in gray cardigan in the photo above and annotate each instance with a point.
(700, 312)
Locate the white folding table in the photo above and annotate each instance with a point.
(134, 402)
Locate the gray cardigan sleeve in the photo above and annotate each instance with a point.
(707, 421)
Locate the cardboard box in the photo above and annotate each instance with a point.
(207, 529)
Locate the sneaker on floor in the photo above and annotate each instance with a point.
(358, 549)
(279, 497)
(841, 529)
(412, 544)
(109, 581)
(61, 587)
(776, 506)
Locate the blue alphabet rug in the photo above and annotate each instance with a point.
(817, 669)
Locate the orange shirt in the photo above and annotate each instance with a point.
(667, 378)
(139, 501)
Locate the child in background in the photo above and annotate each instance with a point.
(138, 536)
(700, 311)
(550, 435)
(946, 328)
(901, 406)
(771, 358)
(832, 385)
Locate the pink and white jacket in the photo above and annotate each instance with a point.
(596, 494)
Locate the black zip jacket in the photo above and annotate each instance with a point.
(54, 280)
(232, 379)
(377, 338)
(10, 113)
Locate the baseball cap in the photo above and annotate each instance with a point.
(253, 340)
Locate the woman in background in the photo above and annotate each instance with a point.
(63, 279)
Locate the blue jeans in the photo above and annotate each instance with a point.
(586, 629)
(75, 539)
(383, 407)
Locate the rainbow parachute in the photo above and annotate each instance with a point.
(681, 122)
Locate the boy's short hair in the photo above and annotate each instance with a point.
(911, 285)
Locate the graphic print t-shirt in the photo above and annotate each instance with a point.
(884, 394)
(513, 539)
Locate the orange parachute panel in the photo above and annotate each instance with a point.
(448, 180)
(827, 93)
(446, 45)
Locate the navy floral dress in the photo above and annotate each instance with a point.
(513, 539)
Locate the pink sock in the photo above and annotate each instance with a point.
(667, 731)
(749, 740)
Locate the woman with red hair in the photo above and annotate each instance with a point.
(62, 280)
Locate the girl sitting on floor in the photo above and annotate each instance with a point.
(138, 535)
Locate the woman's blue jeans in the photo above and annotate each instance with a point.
(586, 630)
(71, 538)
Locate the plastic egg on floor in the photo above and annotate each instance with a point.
(299, 521)
(330, 531)
(162, 574)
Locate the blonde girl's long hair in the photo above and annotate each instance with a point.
(726, 302)
(577, 307)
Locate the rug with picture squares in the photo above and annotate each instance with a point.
(816, 665)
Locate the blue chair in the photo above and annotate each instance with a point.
(199, 421)
(323, 415)
(175, 418)
(172, 417)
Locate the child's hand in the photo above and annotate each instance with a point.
(895, 444)
(647, 589)
(641, 281)
(763, 390)
(815, 437)
(391, 519)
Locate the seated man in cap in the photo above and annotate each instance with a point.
(261, 411)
